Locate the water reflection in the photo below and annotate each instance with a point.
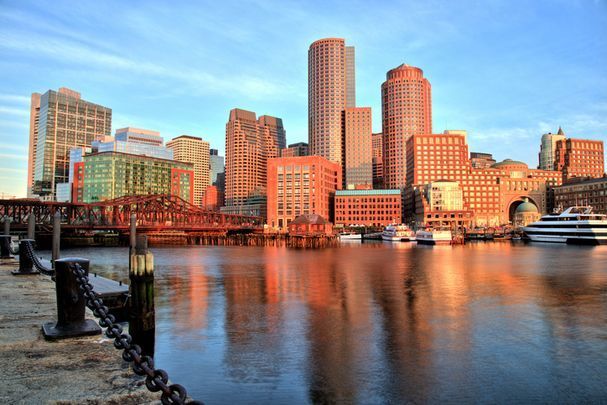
(381, 323)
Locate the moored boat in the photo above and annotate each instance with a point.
(433, 237)
(398, 233)
(575, 225)
(349, 236)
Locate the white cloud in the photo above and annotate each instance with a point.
(14, 111)
(15, 99)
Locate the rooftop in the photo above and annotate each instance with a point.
(367, 192)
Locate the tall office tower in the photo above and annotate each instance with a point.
(377, 157)
(406, 110)
(249, 144)
(295, 149)
(579, 158)
(66, 121)
(331, 88)
(548, 149)
(217, 166)
(191, 149)
(357, 148)
(34, 119)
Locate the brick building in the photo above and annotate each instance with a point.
(579, 158)
(300, 185)
(591, 192)
(368, 207)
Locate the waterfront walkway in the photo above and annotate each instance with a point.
(85, 370)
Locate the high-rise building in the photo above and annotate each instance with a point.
(65, 121)
(109, 175)
(217, 167)
(135, 141)
(331, 88)
(194, 150)
(579, 158)
(250, 142)
(295, 149)
(406, 110)
(480, 160)
(357, 148)
(377, 159)
(548, 149)
(34, 120)
(301, 185)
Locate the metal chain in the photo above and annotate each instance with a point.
(156, 379)
(29, 251)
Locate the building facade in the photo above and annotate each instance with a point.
(194, 150)
(135, 141)
(357, 147)
(548, 149)
(301, 185)
(368, 207)
(64, 121)
(592, 192)
(295, 149)
(250, 142)
(491, 194)
(579, 158)
(377, 160)
(218, 167)
(33, 140)
(213, 198)
(406, 110)
(331, 88)
(109, 175)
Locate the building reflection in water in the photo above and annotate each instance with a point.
(384, 323)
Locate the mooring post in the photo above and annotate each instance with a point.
(7, 225)
(56, 235)
(142, 319)
(133, 232)
(5, 240)
(31, 226)
(26, 266)
(70, 303)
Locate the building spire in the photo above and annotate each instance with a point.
(560, 131)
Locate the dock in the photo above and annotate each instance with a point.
(78, 370)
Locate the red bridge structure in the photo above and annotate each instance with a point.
(155, 213)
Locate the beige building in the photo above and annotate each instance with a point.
(357, 147)
(445, 196)
(63, 121)
(331, 88)
(191, 149)
(548, 149)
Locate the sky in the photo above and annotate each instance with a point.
(506, 71)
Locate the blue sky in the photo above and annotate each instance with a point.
(505, 70)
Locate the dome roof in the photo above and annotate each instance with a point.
(526, 207)
(509, 162)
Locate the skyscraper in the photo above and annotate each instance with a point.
(548, 149)
(250, 142)
(331, 88)
(217, 166)
(377, 146)
(357, 147)
(194, 150)
(34, 120)
(65, 121)
(406, 110)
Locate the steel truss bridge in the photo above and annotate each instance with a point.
(154, 213)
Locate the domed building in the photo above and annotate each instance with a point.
(525, 213)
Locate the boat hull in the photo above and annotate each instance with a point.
(571, 240)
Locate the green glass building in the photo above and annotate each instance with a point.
(109, 175)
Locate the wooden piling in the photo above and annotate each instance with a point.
(142, 319)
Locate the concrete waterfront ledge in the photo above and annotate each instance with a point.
(86, 370)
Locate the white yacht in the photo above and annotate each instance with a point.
(433, 237)
(398, 233)
(574, 225)
(350, 236)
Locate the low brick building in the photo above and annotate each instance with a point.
(368, 207)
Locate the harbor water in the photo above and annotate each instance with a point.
(379, 323)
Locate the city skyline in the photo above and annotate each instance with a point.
(532, 69)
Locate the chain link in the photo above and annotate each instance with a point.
(155, 379)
